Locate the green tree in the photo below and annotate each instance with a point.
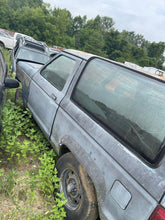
(135, 39)
(107, 23)
(61, 18)
(5, 13)
(116, 47)
(16, 4)
(79, 23)
(94, 43)
(156, 50)
(56, 26)
(148, 61)
(101, 24)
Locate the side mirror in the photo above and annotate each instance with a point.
(11, 83)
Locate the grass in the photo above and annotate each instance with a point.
(28, 177)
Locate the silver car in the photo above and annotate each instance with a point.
(106, 121)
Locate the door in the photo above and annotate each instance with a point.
(48, 87)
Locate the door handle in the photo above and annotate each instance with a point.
(53, 97)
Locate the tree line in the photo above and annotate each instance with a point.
(57, 26)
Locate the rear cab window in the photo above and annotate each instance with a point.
(130, 105)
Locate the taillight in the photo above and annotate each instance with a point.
(158, 214)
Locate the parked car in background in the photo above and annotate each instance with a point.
(30, 51)
(5, 82)
(6, 40)
(106, 121)
(20, 35)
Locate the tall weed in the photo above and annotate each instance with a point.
(23, 142)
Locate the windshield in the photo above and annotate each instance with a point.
(5, 35)
(34, 56)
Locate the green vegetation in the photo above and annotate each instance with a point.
(57, 27)
(28, 177)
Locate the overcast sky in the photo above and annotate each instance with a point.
(146, 17)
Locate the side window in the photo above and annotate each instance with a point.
(58, 71)
(128, 104)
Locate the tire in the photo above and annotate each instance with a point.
(78, 189)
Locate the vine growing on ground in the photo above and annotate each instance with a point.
(22, 142)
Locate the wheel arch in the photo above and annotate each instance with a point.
(63, 150)
(68, 144)
(83, 202)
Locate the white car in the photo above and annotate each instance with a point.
(6, 40)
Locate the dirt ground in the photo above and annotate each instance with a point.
(17, 200)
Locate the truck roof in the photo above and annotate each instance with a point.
(87, 56)
(81, 54)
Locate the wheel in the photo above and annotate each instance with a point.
(78, 189)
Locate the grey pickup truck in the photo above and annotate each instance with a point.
(106, 122)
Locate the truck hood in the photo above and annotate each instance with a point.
(28, 67)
